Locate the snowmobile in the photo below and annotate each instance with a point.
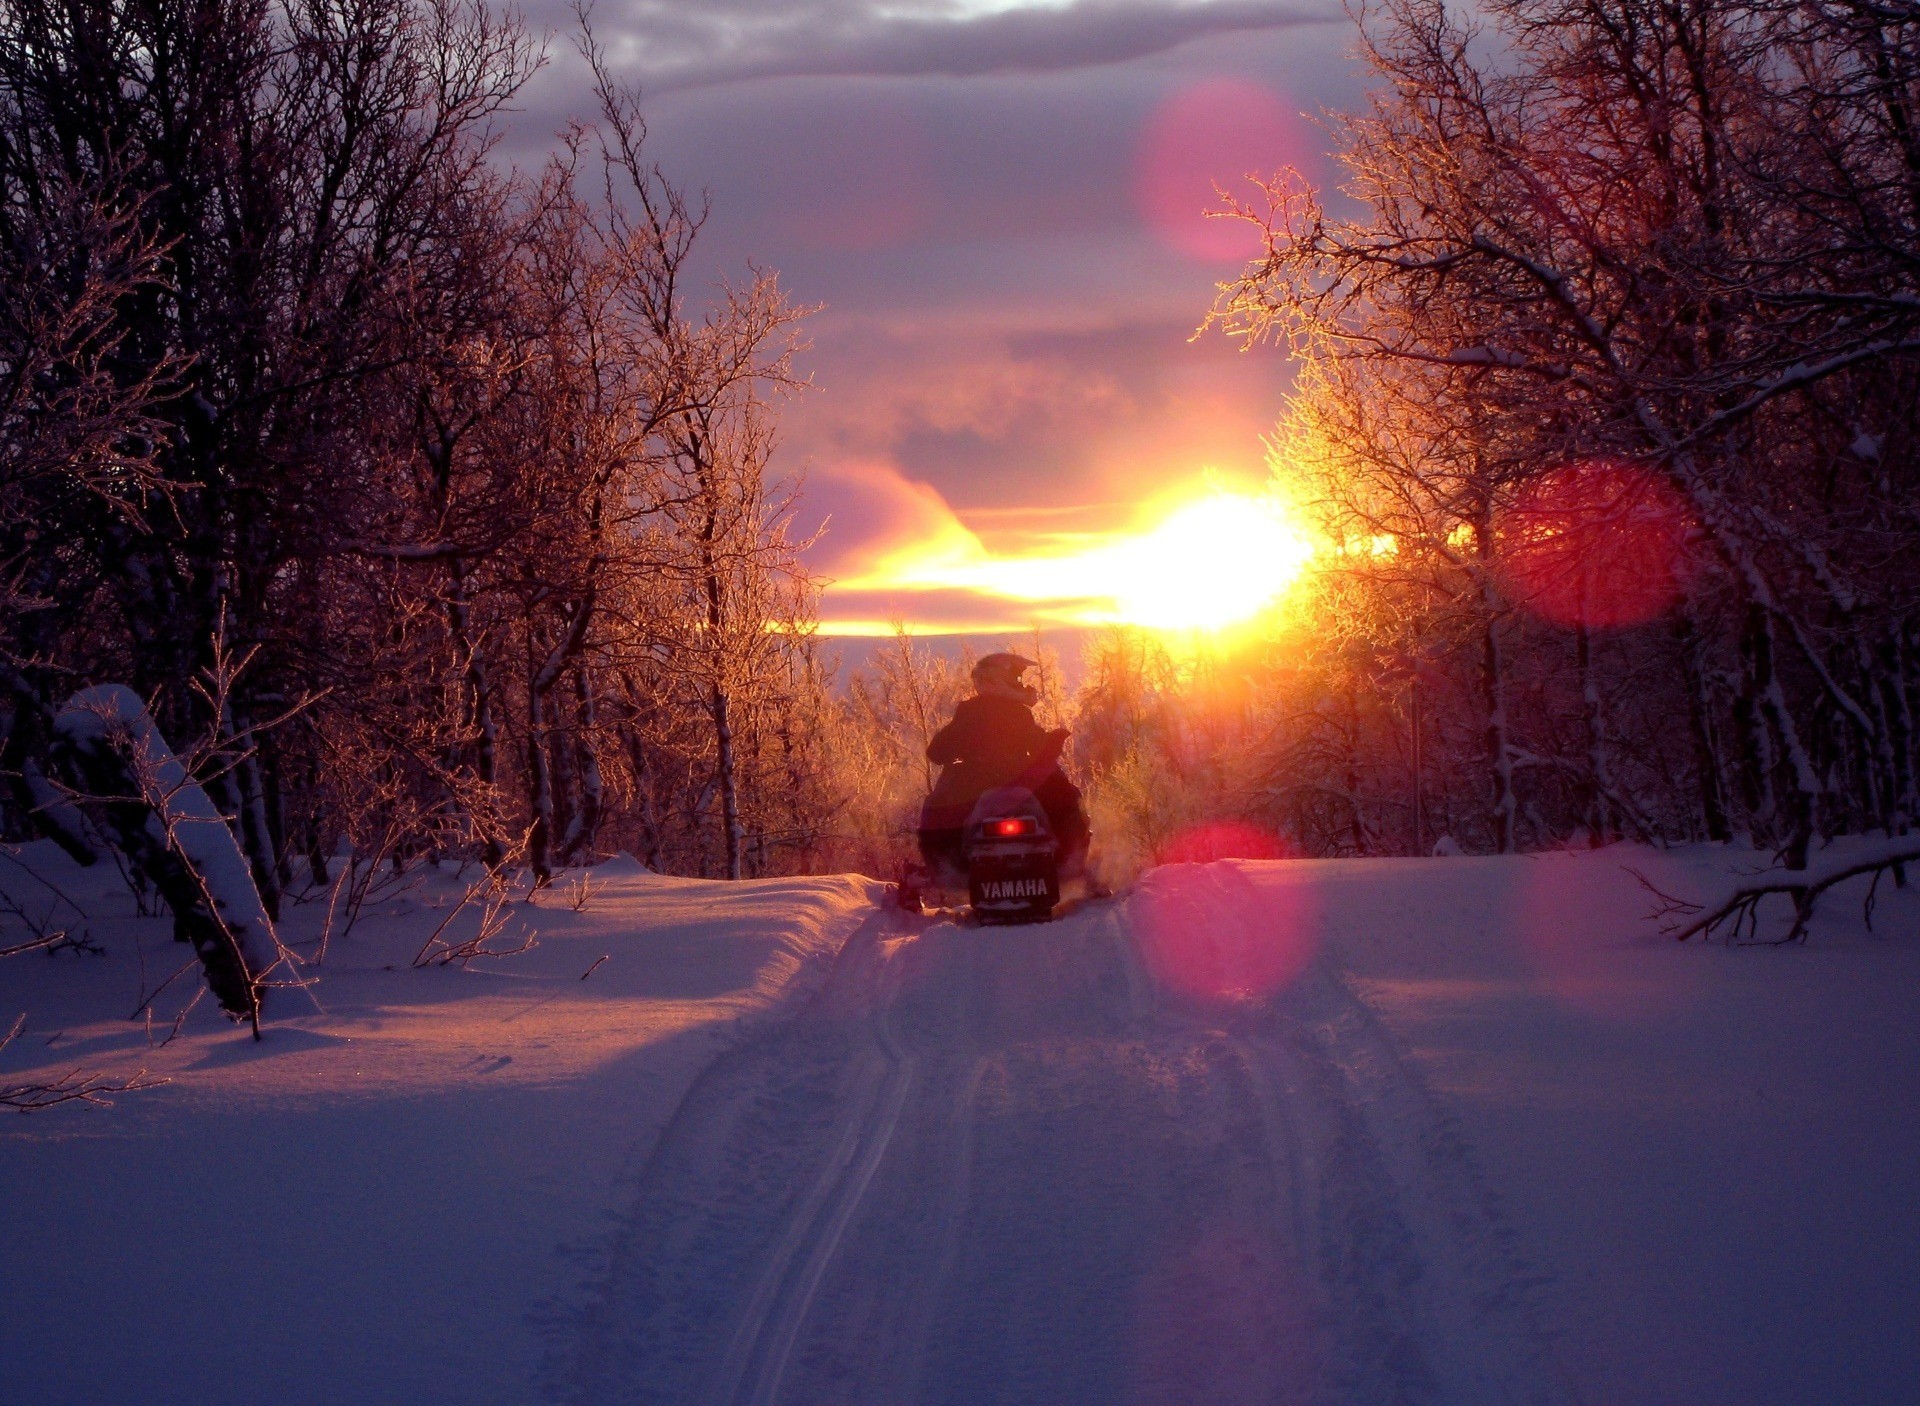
(1012, 858)
(1008, 862)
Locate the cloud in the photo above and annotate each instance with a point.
(978, 192)
(874, 514)
(670, 45)
(928, 611)
(915, 378)
(1029, 431)
(881, 528)
(1203, 559)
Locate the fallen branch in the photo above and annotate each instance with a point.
(162, 819)
(74, 1086)
(1739, 913)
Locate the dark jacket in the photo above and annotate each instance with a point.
(991, 742)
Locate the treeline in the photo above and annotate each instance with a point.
(1605, 415)
(1607, 411)
(423, 500)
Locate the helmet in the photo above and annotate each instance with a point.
(1001, 668)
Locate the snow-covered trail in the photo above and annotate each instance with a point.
(1122, 1158)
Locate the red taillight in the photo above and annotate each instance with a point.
(1016, 825)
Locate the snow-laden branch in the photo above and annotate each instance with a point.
(1798, 375)
(1557, 285)
(1739, 913)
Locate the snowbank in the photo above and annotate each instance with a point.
(398, 1190)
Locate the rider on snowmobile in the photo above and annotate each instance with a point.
(994, 741)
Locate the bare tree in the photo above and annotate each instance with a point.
(1642, 237)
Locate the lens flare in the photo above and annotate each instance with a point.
(1204, 943)
(1601, 545)
(1202, 140)
(1221, 839)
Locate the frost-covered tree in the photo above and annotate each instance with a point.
(1631, 273)
(304, 389)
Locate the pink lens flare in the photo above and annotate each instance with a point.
(1203, 139)
(1219, 1315)
(1207, 938)
(1587, 937)
(1225, 839)
(1596, 544)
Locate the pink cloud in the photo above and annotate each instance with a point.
(872, 511)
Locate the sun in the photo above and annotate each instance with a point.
(1205, 560)
(1211, 563)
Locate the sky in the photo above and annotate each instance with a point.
(997, 207)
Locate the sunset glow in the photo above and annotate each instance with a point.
(1201, 563)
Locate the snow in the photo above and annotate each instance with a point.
(621, 866)
(373, 1203)
(53, 807)
(1457, 1130)
(183, 813)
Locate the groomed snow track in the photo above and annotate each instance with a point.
(1003, 1165)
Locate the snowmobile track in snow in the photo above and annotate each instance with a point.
(757, 1359)
(1416, 1257)
(993, 1166)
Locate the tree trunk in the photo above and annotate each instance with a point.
(276, 812)
(1499, 749)
(1360, 834)
(566, 782)
(173, 836)
(1708, 771)
(1776, 719)
(1419, 774)
(254, 830)
(724, 775)
(476, 713)
(589, 787)
(1756, 747)
(1493, 693)
(1891, 682)
(539, 791)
